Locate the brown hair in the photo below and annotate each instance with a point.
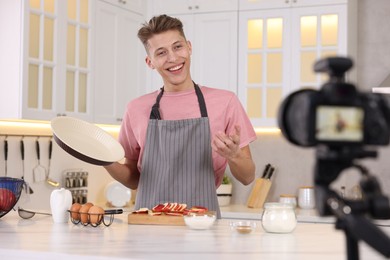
(159, 24)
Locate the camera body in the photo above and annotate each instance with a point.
(337, 115)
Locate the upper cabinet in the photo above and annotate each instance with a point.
(193, 6)
(136, 6)
(119, 60)
(279, 42)
(47, 70)
(211, 27)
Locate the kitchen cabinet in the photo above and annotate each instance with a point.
(47, 67)
(119, 61)
(213, 35)
(193, 6)
(278, 47)
(137, 6)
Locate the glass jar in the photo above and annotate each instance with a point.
(278, 218)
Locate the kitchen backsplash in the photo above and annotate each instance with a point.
(294, 168)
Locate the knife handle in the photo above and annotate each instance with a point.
(50, 148)
(266, 170)
(5, 149)
(22, 148)
(37, 149)
(113, 211)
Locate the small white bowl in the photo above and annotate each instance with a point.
(200, 221)
(244, 226)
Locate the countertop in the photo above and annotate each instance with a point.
(40, 238)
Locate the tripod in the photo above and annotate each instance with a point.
(351, 214)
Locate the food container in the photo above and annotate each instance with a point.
(288, 198)
(200, 220)
(243, 227)
(278, 218)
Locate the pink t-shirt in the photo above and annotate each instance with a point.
(224, 112)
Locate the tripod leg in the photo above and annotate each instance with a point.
(352, 247)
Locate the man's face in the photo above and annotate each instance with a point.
(170, 54)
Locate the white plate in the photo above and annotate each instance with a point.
(86, 141)
(117, 194)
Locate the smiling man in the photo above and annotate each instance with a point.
(179, 139)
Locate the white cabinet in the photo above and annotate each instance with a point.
(278, 47)
(46, 71)
(137, 6)
(267, 4)
(119, 61)
(213, 35)
(193, 6)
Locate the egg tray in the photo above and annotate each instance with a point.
(100, 217)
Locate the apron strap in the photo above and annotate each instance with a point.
(155, 113)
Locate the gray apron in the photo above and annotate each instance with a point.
(177, 162)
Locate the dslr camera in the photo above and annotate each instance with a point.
(337, 115)
(344, 125)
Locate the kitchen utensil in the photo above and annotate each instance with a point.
(146, 219)
(27, 187)
(270, 173)
(243, 226)
(278, 218)
(10, 190)
(26, 214)
(289, 199)
(117, 194)
(60, 203)
(5, 156)
(86, 141)
(76, 219)
(306, 198)
(39, 171)
(48, 179)
(200, 221)
(266, 169)
(260, 190)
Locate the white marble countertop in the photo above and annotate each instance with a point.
(39, 238)
(236, 211)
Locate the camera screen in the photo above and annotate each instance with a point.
(339, 123)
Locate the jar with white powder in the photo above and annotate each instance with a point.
(278, 218)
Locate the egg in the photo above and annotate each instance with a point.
(84, 212)
(95, 214)
(74, 211)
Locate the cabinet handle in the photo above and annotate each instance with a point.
(196, 6)
(190, 8)
(287, 1)
(119, 119)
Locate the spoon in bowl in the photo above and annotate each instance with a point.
(27, 214)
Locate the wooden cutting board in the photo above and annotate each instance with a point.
(146, 219)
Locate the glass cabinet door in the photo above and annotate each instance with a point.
(42, 61)
(318, 35)
(278, 49)
(262, 85)
(78, 68)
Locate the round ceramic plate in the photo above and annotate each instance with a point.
(117, 194)
(86, 141)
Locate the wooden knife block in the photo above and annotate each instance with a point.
(259, 193)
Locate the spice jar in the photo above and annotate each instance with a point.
(278, 218)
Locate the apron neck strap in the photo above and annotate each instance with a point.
(155, 113)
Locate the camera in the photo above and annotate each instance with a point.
(337, 114)
(344, 125)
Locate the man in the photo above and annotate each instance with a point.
(179, 140)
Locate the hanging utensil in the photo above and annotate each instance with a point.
(48, 179)
(5, 155)
(27, 187)
(39, 172)
(27, 214)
